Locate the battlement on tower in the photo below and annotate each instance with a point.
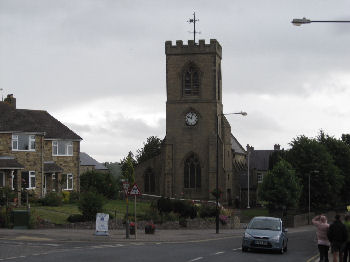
(192, 48)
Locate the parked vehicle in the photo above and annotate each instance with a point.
(265, 233)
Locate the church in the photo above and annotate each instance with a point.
(198, 143)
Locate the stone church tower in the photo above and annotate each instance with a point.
(187, 166)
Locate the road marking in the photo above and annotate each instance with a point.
(312, 258)
(195, 259)
(235, 249)
(219, 253)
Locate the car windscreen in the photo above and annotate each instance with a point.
(265, 224)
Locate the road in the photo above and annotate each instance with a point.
(301, 247)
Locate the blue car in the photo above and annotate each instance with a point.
(265, 233)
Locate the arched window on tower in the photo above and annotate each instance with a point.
(149, 181)
(191, 82)
(192, 172)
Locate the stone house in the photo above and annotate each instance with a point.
(87, 163)
(258, 168)
(37, 152)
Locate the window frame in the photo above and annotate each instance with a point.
(68, 177)
(3, 179)
(191, 82)
(259, 177)
(31, 142)
(68, 147)
(190, 162)
(31, 174)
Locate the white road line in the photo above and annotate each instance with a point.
(235, 249)
(220, 252)
(195, 259)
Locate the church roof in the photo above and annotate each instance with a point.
(236, 146)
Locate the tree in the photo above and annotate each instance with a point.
(280, 187)
(150, 149)
(340, 151)
(99, 182)
(127, 166)
(307, 156)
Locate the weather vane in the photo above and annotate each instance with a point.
(194, 20)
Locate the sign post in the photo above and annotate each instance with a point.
(126, 186)
(135, 192)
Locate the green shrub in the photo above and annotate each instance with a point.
(185, 208)
(90, 204)
(74, 197)
(52, 199)
(99, 182)
(164, 205)
(6, 195)
(65, 196)
(206, 210)
(74, 218)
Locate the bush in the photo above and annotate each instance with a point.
(102, 183)
(52, 199)
(185, 208)
(6, 195)
(164, 205)
(66, 196)
(74, 218)
(206, 210)
(74, 197)
(90, 204)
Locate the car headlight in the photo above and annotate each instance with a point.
(275, 238)
(246, 235)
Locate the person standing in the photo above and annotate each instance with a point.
(322, 240)
(347, 245)
(337, 235)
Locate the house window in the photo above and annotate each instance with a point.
(62, 148)
(28, 180)
(2, 179)
(149, 180)
(23, 142)
(192, 172)
(191, 82)
(260, 177)
(67, 181)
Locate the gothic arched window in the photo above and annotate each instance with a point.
(149, 181)
(191, 82)
(192, 172)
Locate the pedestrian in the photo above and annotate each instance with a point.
(347, 244)
(337, 235)
(322, 240)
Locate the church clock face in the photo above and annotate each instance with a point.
(191, 119)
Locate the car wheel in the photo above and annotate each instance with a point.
(282, 249)
(244, 249)
(286, 248)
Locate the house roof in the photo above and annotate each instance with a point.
(25, 120)
(236, 146)
(9, 162)
(86, 160)
(52, 167)
(259, 159)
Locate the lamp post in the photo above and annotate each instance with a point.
(217, 164)
(248, 153)
(301, 21)
(314, 171)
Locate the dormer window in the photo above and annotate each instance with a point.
(23, 142)
(191, 82)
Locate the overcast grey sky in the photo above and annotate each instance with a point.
(99, 66)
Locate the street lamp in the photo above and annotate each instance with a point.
(217, 164)
(299, 22)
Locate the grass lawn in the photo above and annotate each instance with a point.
(59, 215)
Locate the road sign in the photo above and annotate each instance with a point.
(126, 186)
(134, 190)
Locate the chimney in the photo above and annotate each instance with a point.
(10, 100)
(276, 147)
(250, 148)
